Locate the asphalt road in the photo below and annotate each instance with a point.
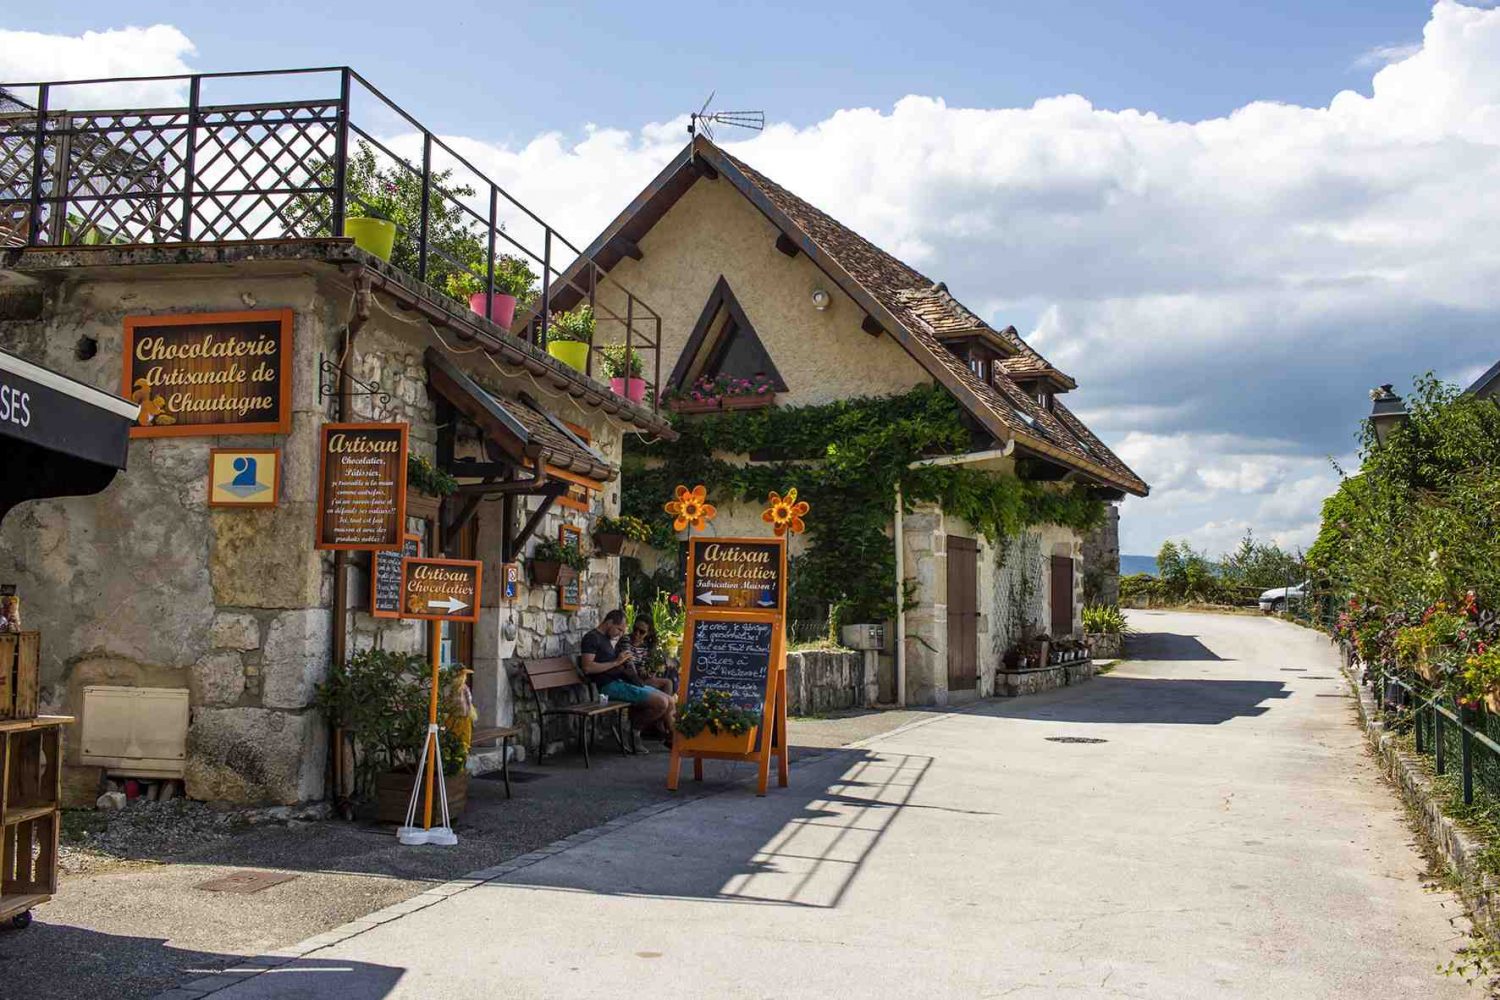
(1222, 833)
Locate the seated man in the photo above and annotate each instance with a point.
(616, 675)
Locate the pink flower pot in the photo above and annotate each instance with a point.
(502, 313)
(635, 392)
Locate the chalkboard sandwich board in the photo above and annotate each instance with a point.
(733, 654)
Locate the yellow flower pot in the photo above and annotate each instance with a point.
(573, 353)
(373, 236)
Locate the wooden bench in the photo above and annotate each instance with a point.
(558, 673)
(504, 734)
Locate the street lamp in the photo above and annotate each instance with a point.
(1388, 413)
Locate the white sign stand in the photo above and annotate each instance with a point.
(412, 835)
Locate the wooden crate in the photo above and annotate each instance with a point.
(20, 674)
(30, 790)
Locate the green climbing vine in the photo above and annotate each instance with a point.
(846, 459)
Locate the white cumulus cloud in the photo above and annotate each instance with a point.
(1225, 290)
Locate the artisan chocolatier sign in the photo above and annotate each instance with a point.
(362, 486)
(736, 573)
(210, 373)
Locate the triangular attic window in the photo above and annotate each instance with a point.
(724, 342)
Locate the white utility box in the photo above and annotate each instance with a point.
(135, 732)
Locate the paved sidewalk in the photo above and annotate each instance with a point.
(1228, 838)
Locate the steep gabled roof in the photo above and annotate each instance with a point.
(897, 299)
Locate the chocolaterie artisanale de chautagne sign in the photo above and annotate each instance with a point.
(210, 373)
(362, 486)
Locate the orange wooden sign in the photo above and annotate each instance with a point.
(362, 487)
(210, 373)
(737, 573)
(441, 589)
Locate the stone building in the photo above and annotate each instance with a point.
(147, 586)
(752, 280)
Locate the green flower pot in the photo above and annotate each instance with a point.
(573, 353)
(373, 236)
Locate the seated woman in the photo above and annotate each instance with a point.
(641, 643)
(614, 671)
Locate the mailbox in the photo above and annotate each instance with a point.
(865, 637)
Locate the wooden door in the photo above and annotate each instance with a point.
(1062, 596)
(963, 613)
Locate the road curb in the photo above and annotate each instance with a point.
(1458, 849)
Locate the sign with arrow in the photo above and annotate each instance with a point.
(737, 574)
(440, 589)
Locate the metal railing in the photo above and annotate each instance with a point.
(284, 154)
(1442, 730)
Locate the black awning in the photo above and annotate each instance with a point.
(58, 436)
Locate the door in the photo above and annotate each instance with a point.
(963, 613)
(1062, 596)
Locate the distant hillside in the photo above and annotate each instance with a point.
(1137, 564)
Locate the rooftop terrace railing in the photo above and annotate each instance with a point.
(281, 154)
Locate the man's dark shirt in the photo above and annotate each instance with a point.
(599, 644)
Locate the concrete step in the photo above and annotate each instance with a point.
(483, 760)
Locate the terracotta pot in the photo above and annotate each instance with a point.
(373, 236)
(609, 543)
(545, 573)
(393, 794)
(502, 307)
(720, 743)
(573, 353)
(635, 391)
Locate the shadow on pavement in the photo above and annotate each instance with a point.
(1169, 646)
(1163, 701)
(800, 846)
(56, 962)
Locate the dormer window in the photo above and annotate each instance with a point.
(980, 367)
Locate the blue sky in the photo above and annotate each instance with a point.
(1226, 220)
(506, 71)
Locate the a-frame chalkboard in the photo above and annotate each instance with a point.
(742, 653)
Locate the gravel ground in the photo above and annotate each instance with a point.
(132, 921)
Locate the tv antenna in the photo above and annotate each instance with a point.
(705, 120)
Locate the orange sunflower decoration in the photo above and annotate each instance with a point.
(691, 509)
(785, 513)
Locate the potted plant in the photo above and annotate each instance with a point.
(550, 558)
(611, 533)
(381, 699)
(513, 281)
(569, 335)
(426, 486)
(624, 373)
(713, 722)
(1104, 630)
(370, 220)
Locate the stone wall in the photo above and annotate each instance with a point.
(1101, 560)
(820, 681)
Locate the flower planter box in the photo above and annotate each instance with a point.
(720, 743)
(609, 543)
(423, 505)
(693, 405)
(748, 402)
(393, 794)
(544, 573)
(1107, 645)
